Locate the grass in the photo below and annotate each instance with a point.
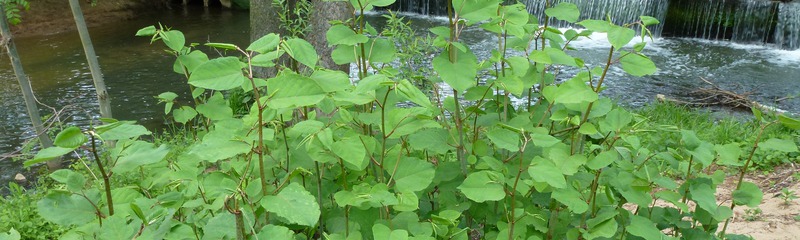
(718, 129)
(18, 211)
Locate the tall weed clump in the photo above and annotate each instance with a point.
(322, 156)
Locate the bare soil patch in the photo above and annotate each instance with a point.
(777, 220)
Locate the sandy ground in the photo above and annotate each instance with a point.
(777, 219)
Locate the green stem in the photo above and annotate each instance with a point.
(743, 171)
(513, 192)
(260, 128)
(106, 176)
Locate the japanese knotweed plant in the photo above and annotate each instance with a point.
(323, 156)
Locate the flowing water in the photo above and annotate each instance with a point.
(136, 71)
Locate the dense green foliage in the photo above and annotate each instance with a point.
(717, 129)
(318, 155)
(17, 212)
(13, 9)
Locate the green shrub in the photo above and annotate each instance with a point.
(320, 157)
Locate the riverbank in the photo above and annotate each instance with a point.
(48, 17)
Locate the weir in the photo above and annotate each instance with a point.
(747, 21)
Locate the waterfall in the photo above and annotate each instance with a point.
(787, 31)
(736, 20)
(747, 21)
(620, 11)
(424, 7)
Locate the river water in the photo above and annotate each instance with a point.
(136, 71)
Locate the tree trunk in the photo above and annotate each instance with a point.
(91, 57)
(322, 14)
(263, 20)
(27, 92)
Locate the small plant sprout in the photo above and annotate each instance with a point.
(752, 214)
(787, 196)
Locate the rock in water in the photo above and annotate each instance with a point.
(19, 178)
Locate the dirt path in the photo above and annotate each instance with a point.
(47, 17)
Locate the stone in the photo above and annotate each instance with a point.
(19, 178)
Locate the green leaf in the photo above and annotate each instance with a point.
(558, 56)
(728, 154)
(73, 180)
(66, 209)
(343, 35)
(504, 138)
(460, 75)
(275, 232)
(223, 73)
(637, 64)
(778, 144)
(216, 108)
(483, 186)
(266, 59)
(381, 231)
(644, 228)
(331, 81)
(475, 10)
(602, 160)
(302, 51)
(224, 46)
(703, 195)
(291, 90)
(593, 25)
(47, 154)
(748, 194)
(168, 98)
(217, 146)
(380, 3)
(265, 44)
(121, 130)
(146, 31)
(543, 170)
(221, 226)
(648, 20)
(117, 227)
(352, 152)
(174, 39)
(139, 153)
(571, 198)
(564, 11)
(620, 36)
(602, 227)
(295, 204)
(433, 140)
(544, 140)
(413, 94)
(407, 201)
(410, 174)
(217, 184)
(690, 140)
(789, 122)
(184, 114)
(540, 56)
(71, 137)
(189, 61)
(616, 120)
(511, 84)
(704, 154)
(574, 91)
